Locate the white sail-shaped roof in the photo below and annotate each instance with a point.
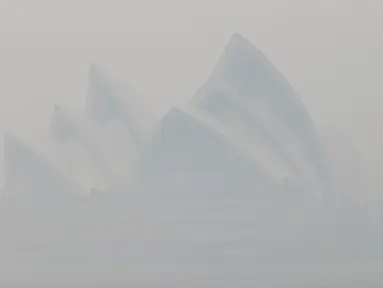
(79, 158)
(189, 145)
(28, 172)
(107, 152)
(254, 122)
(248, 71)
(109, 102)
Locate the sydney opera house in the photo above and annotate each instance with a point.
(234, 186)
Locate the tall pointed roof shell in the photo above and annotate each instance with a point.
(106, 152)
(187, 140)
(26, 170)
(247, 70)
(108, 101)
(255, 122)
(89, 168)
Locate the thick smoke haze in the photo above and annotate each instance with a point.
(191, 143)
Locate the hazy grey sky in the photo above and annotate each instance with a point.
(330, 50)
